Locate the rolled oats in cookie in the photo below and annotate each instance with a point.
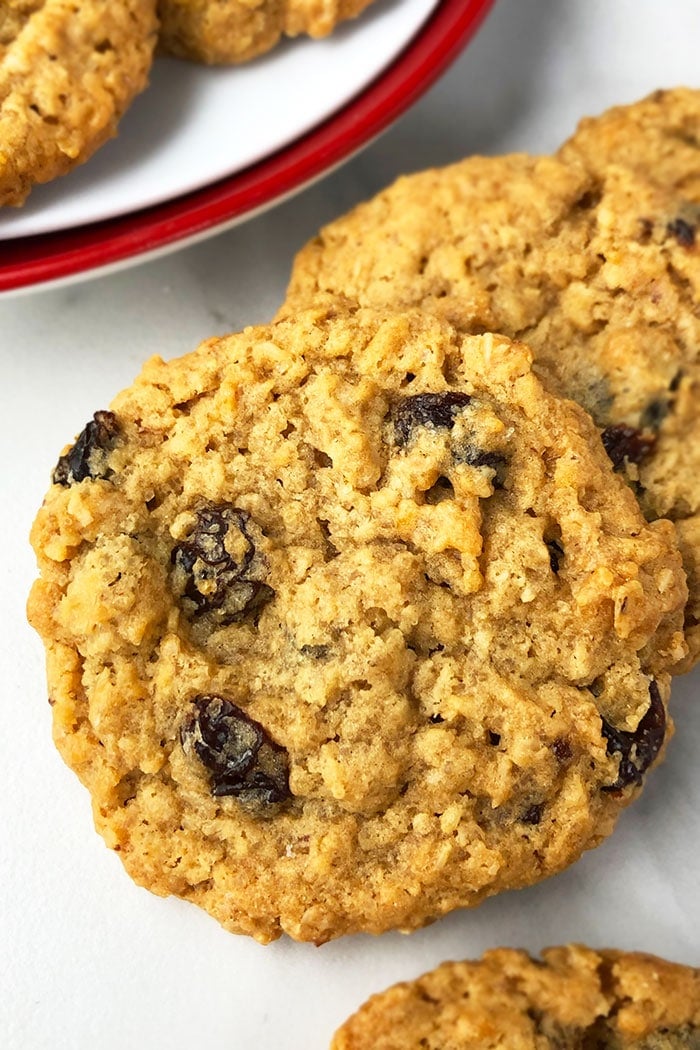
(599, 276)
(659, 137)
(68, 71)
(226, 31)
(350, 623)
(571, 997)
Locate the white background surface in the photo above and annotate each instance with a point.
(194, 125)
(89, 960)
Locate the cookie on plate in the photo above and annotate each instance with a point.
(350, 623)
(572, 997)
(225, 31)
(600, 277)
(67, 73)
(658, 137)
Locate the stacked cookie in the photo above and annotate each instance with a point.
(68, 72)
(230, 31)
(588, 257)
(358, 618)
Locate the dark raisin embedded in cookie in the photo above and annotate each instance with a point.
(627, 443)
(219, 570)
(562, 749)
(316, 652)
(87, 459)
(243, 761)
(655, 413)
(556, 553)
(637, 750)
(479, 457)
(434, 411)
(683, 231)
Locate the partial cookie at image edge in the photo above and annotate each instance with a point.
(572, 996)
(67, 74)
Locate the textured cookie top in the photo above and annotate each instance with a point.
(659, 137)
(600, 278)
(573, 998)
(350, 623)
(67, 72)
(222, 31)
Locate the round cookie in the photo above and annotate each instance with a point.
(572, 997)
(601, 278)
(68, 71)
(225, 31)
(659, 137)
(350, 623)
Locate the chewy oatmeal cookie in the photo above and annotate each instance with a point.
(573, 997)
(658, 137)
(224, 31)
(68, 71)
(350, 623)
(600, 278)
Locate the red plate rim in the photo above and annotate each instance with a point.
(86, 250)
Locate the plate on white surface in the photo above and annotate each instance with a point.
(204, 147)
(196, 124)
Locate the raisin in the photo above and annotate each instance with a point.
(436, 719)
(243, 761)
(646, 229)
(626, 443)
(682, 231)
(87, 459)
(211, 578)
(556, 553)
(316, 652)
(637, 750)
(562, 749)
(435, 411)
(588, 199)
(654, 414)
(479, 457)
(532, 815)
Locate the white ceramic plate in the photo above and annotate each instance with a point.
(195, 124)
(102, 241)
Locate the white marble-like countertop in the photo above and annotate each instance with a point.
(89, 960)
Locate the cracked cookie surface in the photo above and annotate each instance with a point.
(350, 623)
(225, 31)
(600, 277)
(68, 71)
(573, 997)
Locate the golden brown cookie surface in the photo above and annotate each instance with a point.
(573, 997)
(223, 31)
(659, 137)
(68, 71)
(350, 623)
(600, 278)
